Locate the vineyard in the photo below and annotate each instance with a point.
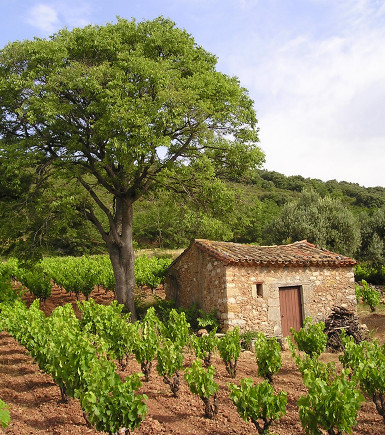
(81, 374)
(80, 275)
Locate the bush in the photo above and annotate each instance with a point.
(374, 274)
(8, 271)
(37, 281)
(201, 382)
(7, 294)
(146, 339)
(258, 402)
(204, 346)
(177, 328)
(229, 348)
(367, 361)
(331, 406)
(369, 295)
(268, 355)
(196, 317)
(310, 338)
(4, 414)
(247, 339)
(170, 361)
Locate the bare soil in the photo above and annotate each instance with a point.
(35, 407)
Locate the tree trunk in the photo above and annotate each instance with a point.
(121, 252)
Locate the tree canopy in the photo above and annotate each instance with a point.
(120, 109)
(321, 220)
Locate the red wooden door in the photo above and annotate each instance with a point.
(291, 309)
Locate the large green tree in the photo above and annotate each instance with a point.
(121, 108)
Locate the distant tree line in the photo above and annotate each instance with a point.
(269, 208)
(260, 207)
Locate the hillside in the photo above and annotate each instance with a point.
(246, 207)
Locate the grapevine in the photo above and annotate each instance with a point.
(258, 402)
(201, 382)
(268, 355)
(229, 348)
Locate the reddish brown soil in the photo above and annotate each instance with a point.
(35, 407)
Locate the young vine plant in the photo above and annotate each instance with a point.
(258, 403)
(201, 382)
(268, 356)
(229, 348)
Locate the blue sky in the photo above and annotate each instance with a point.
(314, 68)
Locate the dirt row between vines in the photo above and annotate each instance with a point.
(35, 407)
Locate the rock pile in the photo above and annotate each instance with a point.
(342, 318)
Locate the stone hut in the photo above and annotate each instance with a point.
(262, 288)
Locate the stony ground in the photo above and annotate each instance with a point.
(35, 406)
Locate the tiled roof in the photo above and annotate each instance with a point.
(300, 253)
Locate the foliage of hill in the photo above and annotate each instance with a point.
(251, 210)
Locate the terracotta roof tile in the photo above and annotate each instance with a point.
(300, 253)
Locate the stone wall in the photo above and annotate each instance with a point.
(196, 277)
(248, 296)
(321, 289)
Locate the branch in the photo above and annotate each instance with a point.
(100, 204)
(90, 215)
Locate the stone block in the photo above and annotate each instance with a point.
(234, 308)
(273, 302)
(274, 314)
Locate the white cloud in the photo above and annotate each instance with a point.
(49, 18)
(320, 101)
(44, 17)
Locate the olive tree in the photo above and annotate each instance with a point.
(321, 220)
(120, 109)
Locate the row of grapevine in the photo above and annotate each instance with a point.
(80, 275)
(164, 342)
(149, 271)
(79, 355)
(333, 396)
(78, 362)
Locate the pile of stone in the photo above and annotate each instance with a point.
(342, 318)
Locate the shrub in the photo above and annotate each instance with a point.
(229, 348)
(247, 339)
(146, 337)
(330, 405)
(310, 338)
(258, 402)
(4, 414)
(37, 281)
(201, 382)
(196, 317)
(177, 328)
(268, 355)
(374, 274)
(204, 346)
(367, 361)
(170, 361)
(7, 293)
(369, 295)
